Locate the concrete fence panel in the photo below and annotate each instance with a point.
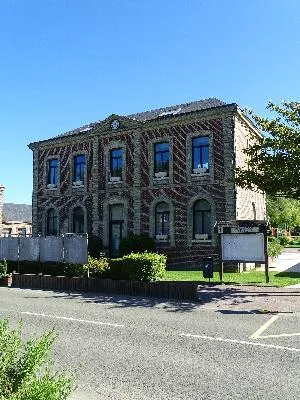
(75, 248)
(9, 248)
(51, 249)
(29, 249)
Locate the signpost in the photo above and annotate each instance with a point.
(243, 241)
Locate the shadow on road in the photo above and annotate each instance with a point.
(252, 298)
(126, 301)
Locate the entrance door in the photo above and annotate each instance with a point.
(116, 222)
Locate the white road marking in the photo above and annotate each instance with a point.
(259, 331)
(72, 319)
(280, 335)
(244, 342)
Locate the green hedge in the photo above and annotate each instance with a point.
(135, 266)
(145, 266)
(136, 244)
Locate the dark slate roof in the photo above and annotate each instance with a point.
(157, 113)
(16, 212)
(177, 109)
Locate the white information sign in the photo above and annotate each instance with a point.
(239, 247)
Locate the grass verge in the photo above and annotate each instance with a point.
(245, 278)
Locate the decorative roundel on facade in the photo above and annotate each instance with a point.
(115, 124)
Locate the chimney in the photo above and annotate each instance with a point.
(1, 206)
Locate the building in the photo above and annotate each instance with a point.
(15, 219)
(168, 173)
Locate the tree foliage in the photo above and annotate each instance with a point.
(283, 211)
(273, 161)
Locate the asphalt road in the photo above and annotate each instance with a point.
(134, 348)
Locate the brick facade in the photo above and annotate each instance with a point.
(138, 190)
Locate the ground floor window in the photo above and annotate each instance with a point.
(52, 223)
(78, 220)
(162, 219)
(201, 219)
(116, 227)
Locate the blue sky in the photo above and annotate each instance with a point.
(65, 63)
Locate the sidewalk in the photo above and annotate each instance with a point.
(288, 261)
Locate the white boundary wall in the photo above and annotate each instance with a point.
(70, 249)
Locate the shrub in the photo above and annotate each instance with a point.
(25, 370)
(74, 270)
(97, 266)
(274, 248)
(3, 268)
(145, 266)
(95, 246)
(284, 240)
(136, 244)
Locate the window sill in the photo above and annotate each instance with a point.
(51, 187)
(158, 181)
(201, 240)
(200, 175)
(77, 186)
(162, 237)
(115, 183)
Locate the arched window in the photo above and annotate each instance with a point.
(201, 220)
(162, 219)
(52, 223)
(78, 220)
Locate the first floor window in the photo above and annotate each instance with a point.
(52, 223)
(52, 171)
(162, 219)
(78, 220)
(79, 168)
(200, 152)
(116, 161)
(161, 158)
(201, 219)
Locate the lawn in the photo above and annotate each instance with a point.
(244, 278)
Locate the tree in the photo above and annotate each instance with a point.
(282, 211)
(273, 161)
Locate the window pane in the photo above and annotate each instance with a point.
(116, 161)
(162, 219)
(161, 157)
(117, 212)
(206, 223)
(196, 157)
(78, 220)
(197, 222)
(52, 171)
(52, 223)
(162, 207)
(200, 151)
(162, 147)
(79, 165)
(80, 159)
(204, 160)
(117, 153)
(202, 205)
(200, 141)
